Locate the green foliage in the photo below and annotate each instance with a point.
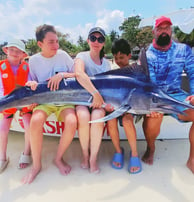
(2, 54)
(108, 45)
(32, 47)
(144, 37)
(113, 35)
(130, 29)
(184, 38)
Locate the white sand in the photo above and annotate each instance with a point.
(167, 180)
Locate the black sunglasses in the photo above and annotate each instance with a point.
(100, 39)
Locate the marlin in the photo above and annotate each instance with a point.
(127, 89)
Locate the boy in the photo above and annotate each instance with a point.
(121, 51)
(53, 65)
(13, 72)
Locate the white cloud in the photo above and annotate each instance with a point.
(110, 20)
(20, 18)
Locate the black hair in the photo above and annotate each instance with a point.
(121, 45)
(42, 30)
(102, 53)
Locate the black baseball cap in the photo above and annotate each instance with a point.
(97, 29)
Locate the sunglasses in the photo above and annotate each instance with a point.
(100, 39)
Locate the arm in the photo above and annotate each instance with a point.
(85, 81)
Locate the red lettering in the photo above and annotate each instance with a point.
(59, 127)
(50, 126)
(20, 120)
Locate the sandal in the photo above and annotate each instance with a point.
(24, 159)
(134, 161)
(118, 158)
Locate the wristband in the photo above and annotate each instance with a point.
(62, 75)
(94, 92)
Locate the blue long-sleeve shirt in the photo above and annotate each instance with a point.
(166, 67)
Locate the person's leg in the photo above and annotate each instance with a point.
(83, 116)
(112, 128)
(36, 138)
(130, 132)
(151, 128)
(5, 123)
(96, 132)
(27, 151)
(190, 162)
(70, 120)
(190, 117)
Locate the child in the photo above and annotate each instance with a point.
(121, 51)
(53, 65)
(13, 72)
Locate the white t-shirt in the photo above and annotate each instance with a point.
(42, 68)
(90, 67)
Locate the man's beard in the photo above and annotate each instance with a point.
(163, 40)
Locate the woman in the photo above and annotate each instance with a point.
(87, 64)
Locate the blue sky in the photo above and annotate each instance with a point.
(19, 18)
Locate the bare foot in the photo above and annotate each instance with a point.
(190, 165)
(148, 157)
(94, 167)
(63, 167)
(23, 165)
(85, 163)
(29, 178)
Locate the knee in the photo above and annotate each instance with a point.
(38, 118)
(98, 113)
(151, 127)
(83, 118)
(71, 121)
(127, 118)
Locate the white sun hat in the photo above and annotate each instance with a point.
(15, 43)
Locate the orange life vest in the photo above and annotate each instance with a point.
(10, 81)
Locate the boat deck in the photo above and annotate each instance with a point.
(166, 181)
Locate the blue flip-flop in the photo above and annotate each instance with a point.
(118, 158)
(134, 161)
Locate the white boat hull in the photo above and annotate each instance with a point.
(170, 129)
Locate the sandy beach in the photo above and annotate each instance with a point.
(167, 180)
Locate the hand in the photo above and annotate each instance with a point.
(32, 106)
(54, 82)
(32, 84)
(109, 107)
(190, 99)
(97, 101)
(154, 115)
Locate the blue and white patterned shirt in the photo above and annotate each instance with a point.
(166, 67)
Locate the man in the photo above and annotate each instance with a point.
(166, 62)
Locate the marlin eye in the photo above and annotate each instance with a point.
(155, 99)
